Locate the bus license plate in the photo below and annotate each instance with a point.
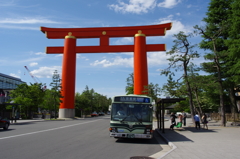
(120, 130)
(130, 136)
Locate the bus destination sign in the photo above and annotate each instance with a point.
(132, 99)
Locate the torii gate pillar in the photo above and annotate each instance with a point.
(140, 64)
(67, 109)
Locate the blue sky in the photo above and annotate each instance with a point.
(23, 44)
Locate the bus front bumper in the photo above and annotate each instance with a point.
(125, 135)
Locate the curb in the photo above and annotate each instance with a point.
(168, 142)
(42, 120)
(25, 121)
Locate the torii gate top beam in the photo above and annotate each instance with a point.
(130, 31)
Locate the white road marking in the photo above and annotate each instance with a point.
(47, 130)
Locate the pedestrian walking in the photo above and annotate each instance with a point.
(197, 121)
(184, 114)
(204, 121)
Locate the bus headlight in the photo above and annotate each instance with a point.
(112, 129)
(149, 131)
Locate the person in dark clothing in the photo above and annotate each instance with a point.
(173, 120)
(184, 118)
(204, 121)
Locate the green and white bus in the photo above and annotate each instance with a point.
(131, 117)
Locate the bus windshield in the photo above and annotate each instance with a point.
(131, 112)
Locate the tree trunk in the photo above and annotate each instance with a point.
(189, 93)
(222, 106)
(233, 100)
(198, 102)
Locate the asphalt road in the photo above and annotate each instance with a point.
(71, 139)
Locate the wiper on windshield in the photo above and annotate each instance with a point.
(140, 120)
(124, 118)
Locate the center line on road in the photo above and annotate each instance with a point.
(47, 130)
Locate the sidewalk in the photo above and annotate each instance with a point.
(188, 143)
(25, 121)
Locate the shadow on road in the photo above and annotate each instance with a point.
(194, 130)
(176, 135)
(139, 141)
(173, 135)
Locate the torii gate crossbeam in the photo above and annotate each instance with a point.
(70, 49)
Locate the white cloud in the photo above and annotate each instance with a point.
(31, 60)
(178, 14)
(46, 72)
(124, 41)
(26, 21)
(154, 59)
(14, 75)
(134, 6)
(157, 58)
(59, 55)
(18, 27)
(177, 26)
(118, 61)
(168, 3)
(20, 23)
(80, 56)
(33, 64)
(141, 6)
(40, 53)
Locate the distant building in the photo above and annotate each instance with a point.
(7, 83)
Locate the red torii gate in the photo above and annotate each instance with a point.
(67, 109)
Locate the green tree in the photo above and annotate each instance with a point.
(90, 101)
(56, 91)
(181, 54)
(234, 53)
(90, 98)
(152, 90)
(48, 102)
(130, 84)
(234, 33)
(81, 104)
(171, 88)
(30, 97)
(214, 35)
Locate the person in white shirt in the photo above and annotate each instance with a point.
(197, 121)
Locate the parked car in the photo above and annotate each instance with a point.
(101, 113)
(188, 115)
(94, 114)
(4, 123)
(178, 113)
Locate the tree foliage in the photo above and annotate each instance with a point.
(30, 97)
(217, 37)
(182, 52)
(130, 84)
(55, 92)
(89, 101)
